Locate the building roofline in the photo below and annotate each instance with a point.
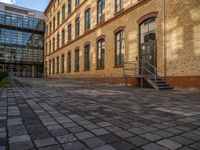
(37, 13)
(48, 6)
(16, 6)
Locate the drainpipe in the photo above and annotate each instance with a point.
(165, 38)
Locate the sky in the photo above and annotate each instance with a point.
(32, 4)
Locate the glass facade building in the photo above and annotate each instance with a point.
(21, 41)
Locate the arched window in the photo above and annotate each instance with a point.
(100, 11)
(77, 60)
(119, 48)
(100, 53)
(87, 20)
(69, 62)
(148, 30)
(77, 26)
(87, 57)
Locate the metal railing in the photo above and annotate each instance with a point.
(139, 70)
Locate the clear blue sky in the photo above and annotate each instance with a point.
(32, 4)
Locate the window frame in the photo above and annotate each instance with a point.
(100, 11)
(100, 48)
(87, 19)
(77, 60)
(87, 57)
(119, 59)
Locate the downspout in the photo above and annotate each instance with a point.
(165, 39)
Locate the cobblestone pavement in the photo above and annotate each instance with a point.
(78, 115)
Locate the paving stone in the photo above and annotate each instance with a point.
(105, 147)
(52, 147)
(163, 133)
(100, 131)
(110, 138)
(59, 132)
(169, 144)
(138, 141)
(76, 129)
(151, 137)
(196, 145)
(94, 142)
(3, 134)
(123, 146)
(17, 139)
(21, 145)
(123, 134)
(2, 148)
(74, 146)
(113, 128)
(181, 140)
(104, 124)
(153, 146)
(186, 148)
(45, 142)
(84, 135)
(66, 139)
(137, 131)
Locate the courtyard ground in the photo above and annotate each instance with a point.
(55, 114)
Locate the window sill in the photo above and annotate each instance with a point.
(87, 69)
(116, 66)
(118, 12)
(100, 68)
(100, 23)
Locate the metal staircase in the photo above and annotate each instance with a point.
(145, 72)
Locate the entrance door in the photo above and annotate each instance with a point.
(148, 46)
(148, 56)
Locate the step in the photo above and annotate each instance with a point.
(166, 88)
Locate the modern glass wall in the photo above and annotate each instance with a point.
(21, 21)
(21, 44)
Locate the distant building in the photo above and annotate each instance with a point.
(21, 40)
(155, 41)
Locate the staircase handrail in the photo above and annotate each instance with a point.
(155, 69)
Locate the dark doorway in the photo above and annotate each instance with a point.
(148, 46)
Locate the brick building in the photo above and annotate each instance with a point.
(108, 40)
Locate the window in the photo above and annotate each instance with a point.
(77, 27)
(58, 65)
(53, 66)
(69, 6)
(118, 5)
(50, 26)
(49, 66)
(77, 2)
(77, 60)
(119, 48)
(87, 57)
(49, 46)
(69, 62)
(100, 53)
(87, 20)
(47, 30)
(63, 37)
(53, 44)
(100, 11)
(69, 32)
(63, 13)
(58, 41)
(62, 63)
(58, 18)
(54, 23)
(46, 49)
(148, 28)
